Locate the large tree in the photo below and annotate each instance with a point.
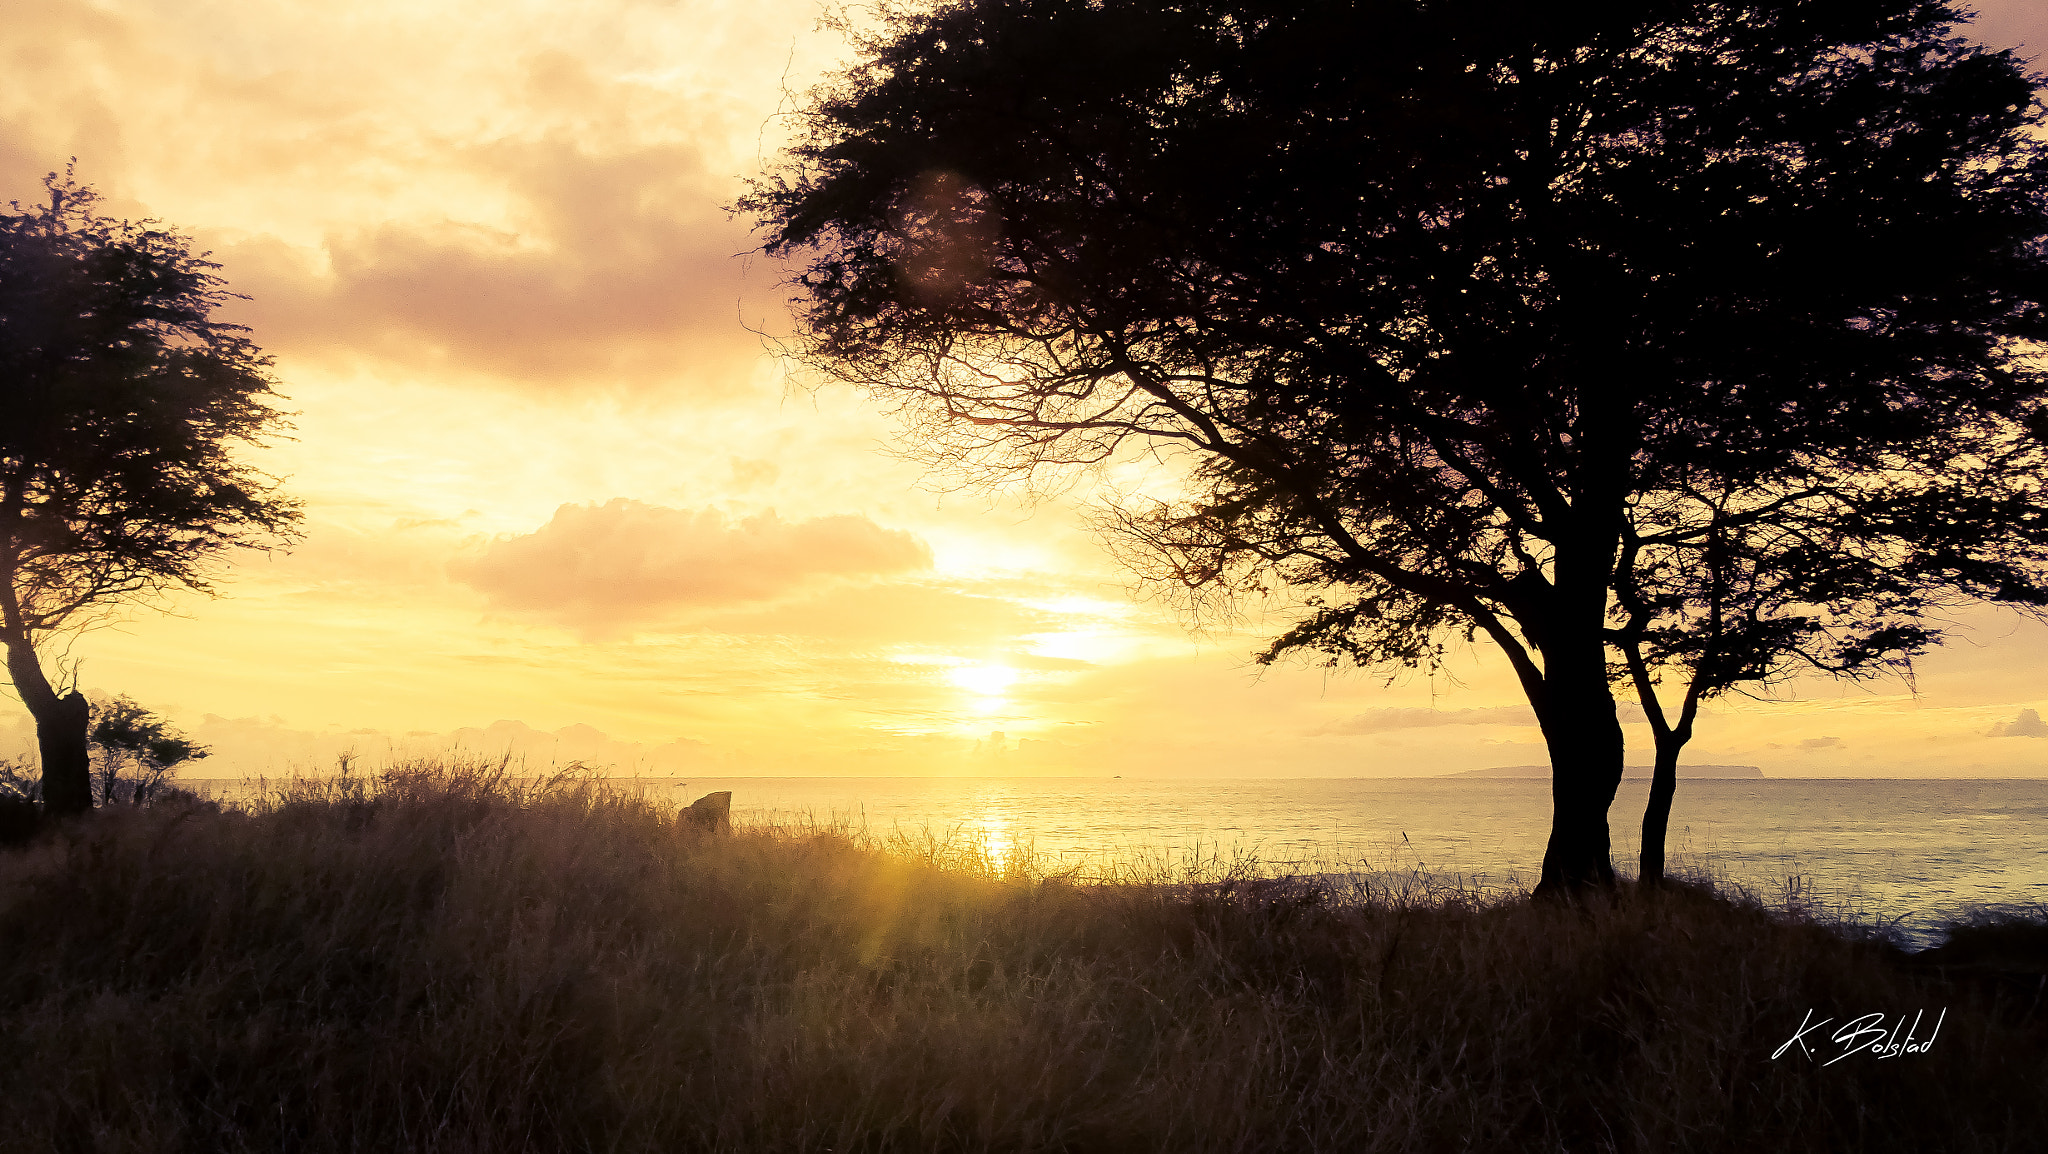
(1461, 313)
(122, 403)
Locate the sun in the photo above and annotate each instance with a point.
(987, 680)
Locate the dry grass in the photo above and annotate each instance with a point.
(446, 959)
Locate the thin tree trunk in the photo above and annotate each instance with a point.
(1657, 814)
(1670, 741)
(1671, 737)
(61, 724)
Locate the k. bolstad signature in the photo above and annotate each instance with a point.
(1865, 1035)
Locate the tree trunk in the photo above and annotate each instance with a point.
(61, 724)
(1585, 741)
(1657, 814)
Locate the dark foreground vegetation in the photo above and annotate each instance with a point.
(452, 960)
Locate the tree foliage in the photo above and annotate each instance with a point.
(135, 750)
(125, 400)
(1692, 338)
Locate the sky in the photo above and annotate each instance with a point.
(564, 500)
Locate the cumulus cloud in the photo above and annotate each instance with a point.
(625, 563)
(419, 185)
(2027, 724)
(616, 266)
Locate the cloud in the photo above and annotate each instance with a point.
(1813, 743)
(267, 746)
(430, 189)
(1382, 720)
(614, 266)
(624, 563)
(897, 612)
(535, 749)
(2027, 724)
(2010, 23)
(257, 745)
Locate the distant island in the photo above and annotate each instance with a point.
(1687, 771)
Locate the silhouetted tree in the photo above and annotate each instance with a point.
(1464, 318)
(135, 743)
(121, 400)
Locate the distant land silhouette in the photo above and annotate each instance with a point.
(1691, 771)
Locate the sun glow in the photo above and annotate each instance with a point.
(987, 680)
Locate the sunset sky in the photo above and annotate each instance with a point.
(562, 497)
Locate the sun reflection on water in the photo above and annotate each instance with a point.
(997, 835)
(993, 830)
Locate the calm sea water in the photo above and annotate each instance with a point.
(1905, 852)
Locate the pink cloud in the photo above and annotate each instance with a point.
(624, 563)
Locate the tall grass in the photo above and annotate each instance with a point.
(445, 958)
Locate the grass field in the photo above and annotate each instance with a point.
(444, 958)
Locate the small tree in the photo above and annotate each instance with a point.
(1462, 314)
(1834, 570)
(136, 750)
(121, 403)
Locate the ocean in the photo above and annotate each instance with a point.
(1903, 853)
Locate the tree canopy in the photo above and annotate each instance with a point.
(1685, 338)
(137, 745)
(122, 404)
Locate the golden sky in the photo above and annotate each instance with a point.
(561, 498)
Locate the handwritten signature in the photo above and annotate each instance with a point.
(1864, 1035)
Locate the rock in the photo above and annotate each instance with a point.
(713, 811)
